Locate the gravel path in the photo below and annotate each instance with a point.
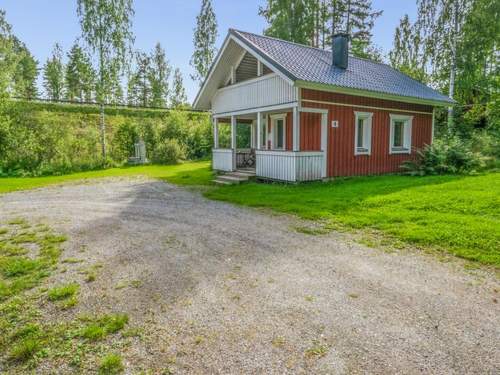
(224, 289)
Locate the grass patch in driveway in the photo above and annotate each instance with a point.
(456, 214)
(30, 331)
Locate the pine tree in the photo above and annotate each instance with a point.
(158, 77)
(178, 97)
(26, 72)
(53, 75)
(205, 35)
(407, 54)
(359, 21)
(292, 20)
(80, 76)
(313, 22)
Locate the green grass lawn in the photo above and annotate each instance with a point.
(456, 214)
(192, 173)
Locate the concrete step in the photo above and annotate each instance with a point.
(231, 178)
(242, 174)
(221, 182)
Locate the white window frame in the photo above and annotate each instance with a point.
(264, 134)
(407, 120)
(367, 133)
(274, 134)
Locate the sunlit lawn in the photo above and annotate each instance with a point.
(456, 214)
(192, 173)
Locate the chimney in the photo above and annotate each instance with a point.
(340, 50)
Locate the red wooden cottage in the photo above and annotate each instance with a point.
(313, 114)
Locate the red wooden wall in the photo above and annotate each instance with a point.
(341, 158)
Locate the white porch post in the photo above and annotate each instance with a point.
(296, 129)
(259, 129)
(216, 132)
(233, 140)
(324, 142)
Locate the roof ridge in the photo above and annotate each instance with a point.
(305, 46)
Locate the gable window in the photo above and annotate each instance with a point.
(278, 131)
(362, 133)
(400, 134)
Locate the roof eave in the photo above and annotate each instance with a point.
(212, 68)
(372, 94)
(246, 44)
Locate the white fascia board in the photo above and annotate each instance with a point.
(369, 94)
(212, 69)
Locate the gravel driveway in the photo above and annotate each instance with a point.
(224, 289)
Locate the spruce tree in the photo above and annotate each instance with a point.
(205, 35)
(26, 72)
(158, 77)
(53, 75)
(80, 76)
(139, 86)
(178, 97)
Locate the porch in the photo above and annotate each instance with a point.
(270, 143)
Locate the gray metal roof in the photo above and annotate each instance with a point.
(304, 63)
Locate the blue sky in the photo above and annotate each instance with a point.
(41, 23)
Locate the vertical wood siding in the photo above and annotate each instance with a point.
(261, 92)
(289, 166)
(341, 158)
(310, 131)
(222, 159)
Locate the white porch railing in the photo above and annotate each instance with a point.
(290, 166)
(222, 159)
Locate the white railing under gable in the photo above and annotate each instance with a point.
(268, 90)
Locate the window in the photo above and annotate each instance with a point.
(263, 134)
(400, 134)
(363, 133)
(278, 131)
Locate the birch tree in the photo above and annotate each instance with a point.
(8, 58)
(408, 53)
(205, 35)
(107, 30)
(442, 22)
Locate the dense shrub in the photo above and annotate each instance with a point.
(168, 151)
(450, 155)
(57, 139)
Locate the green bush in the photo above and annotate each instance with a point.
(445, 156)
(50, 139)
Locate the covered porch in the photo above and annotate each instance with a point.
(283, 143)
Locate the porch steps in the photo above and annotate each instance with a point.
(236, 177)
